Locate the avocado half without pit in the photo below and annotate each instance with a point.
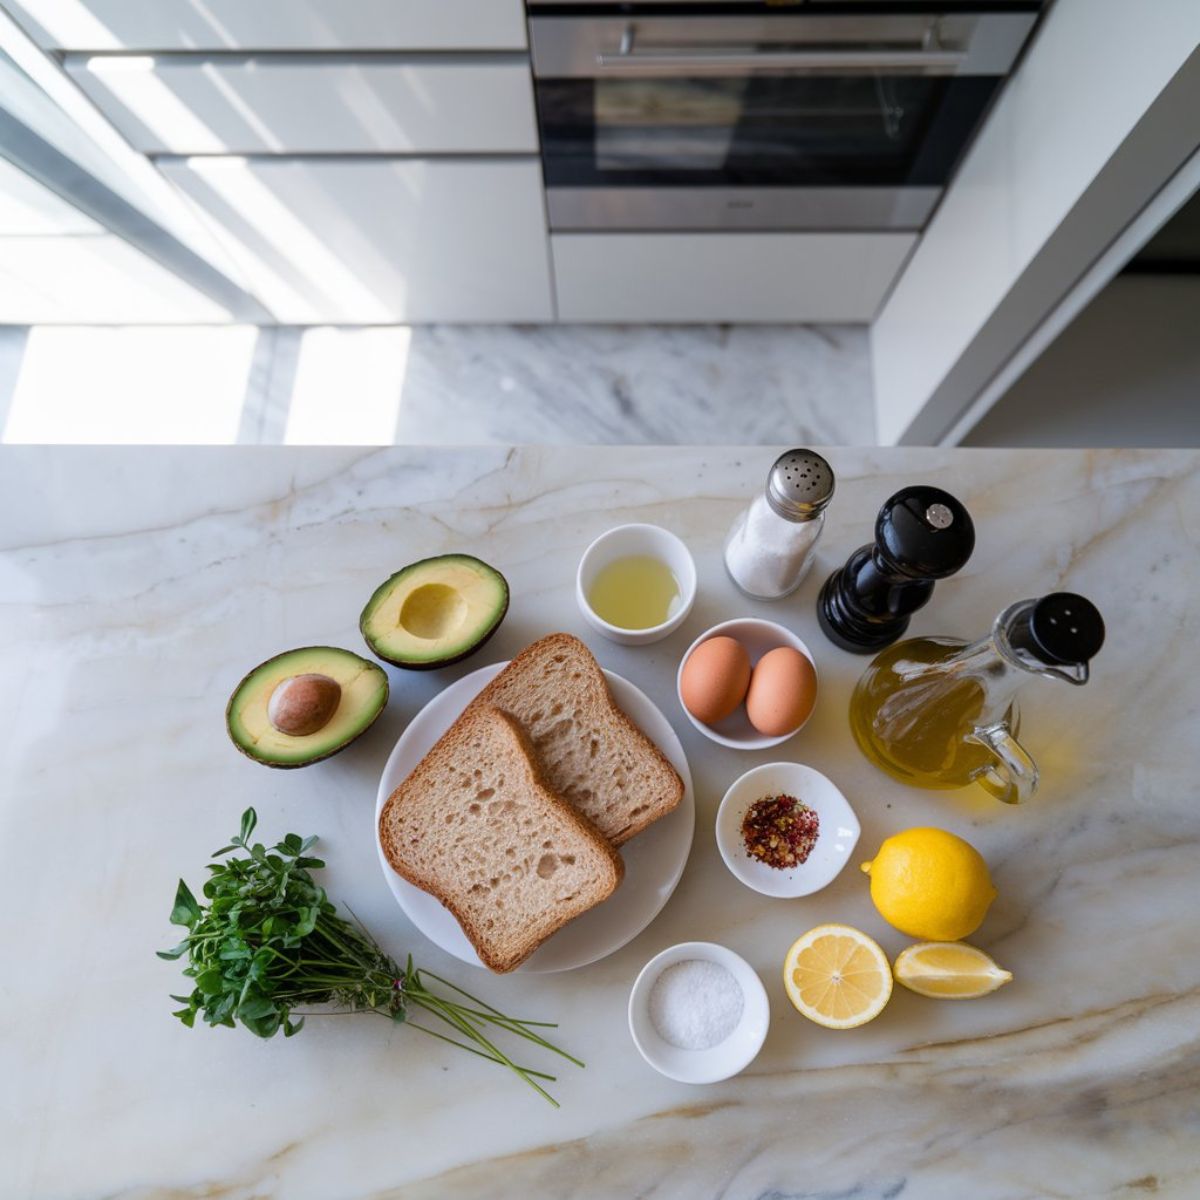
(435, 612)
(304, 705)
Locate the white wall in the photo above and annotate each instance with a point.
(1094, 69)
(1126, 372)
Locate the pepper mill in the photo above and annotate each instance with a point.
(922, 534)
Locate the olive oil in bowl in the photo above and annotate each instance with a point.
(637, 592)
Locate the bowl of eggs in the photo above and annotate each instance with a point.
(748, 684)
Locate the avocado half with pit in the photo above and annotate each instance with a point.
(435, 612)
(304, 705)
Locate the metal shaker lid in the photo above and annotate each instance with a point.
(800, 485)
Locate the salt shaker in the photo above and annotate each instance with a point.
(769, 549)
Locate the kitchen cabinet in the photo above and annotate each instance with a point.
(160, 25)
(377, 240)
(725, 277)
(297, 104)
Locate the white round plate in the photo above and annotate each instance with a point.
(654, 860)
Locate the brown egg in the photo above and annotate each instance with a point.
(783, 690)
(714, 679)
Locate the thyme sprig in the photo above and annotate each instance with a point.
(269, 947)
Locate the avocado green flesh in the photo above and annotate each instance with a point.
(435, 611)
(364, 694)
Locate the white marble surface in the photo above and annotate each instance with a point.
(432, 384)
(138, 585)
(698, 384)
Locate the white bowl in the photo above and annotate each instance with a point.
(758, 637)
(837, 832)
(726, 1058)
(626, 541)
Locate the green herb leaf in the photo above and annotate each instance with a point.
(256, 1006)
(249, 821)
(175, 951)
(210, 981)
(186, 910)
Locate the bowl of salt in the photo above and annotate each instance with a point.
(698, 1013)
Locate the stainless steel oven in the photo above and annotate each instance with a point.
(752, 115)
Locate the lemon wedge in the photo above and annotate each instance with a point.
(837, 976)
(949, 971)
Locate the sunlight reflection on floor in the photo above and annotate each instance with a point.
(131, 385)
(348, 386)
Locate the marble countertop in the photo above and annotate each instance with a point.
(138, 585)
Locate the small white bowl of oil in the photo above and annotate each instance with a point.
(636, 584)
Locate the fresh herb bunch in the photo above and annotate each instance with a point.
(270, 942)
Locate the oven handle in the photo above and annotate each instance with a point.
(686, 61)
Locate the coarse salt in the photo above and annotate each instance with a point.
(696, 1004)
(767, 555)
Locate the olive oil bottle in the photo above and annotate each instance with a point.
(914, 721)
(941, 713)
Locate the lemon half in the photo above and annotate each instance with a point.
(949, 971)
(837, 976)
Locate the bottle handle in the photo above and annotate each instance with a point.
(1013, 777)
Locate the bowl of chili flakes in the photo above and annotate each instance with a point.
(785, 830)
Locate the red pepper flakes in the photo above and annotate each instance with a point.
(780, 831)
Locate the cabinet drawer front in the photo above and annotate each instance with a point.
(189, 104)
(374, 240)
(725, 277)
(274, 24)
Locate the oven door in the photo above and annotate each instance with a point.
(770, 121)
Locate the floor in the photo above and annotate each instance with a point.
(436, 384)
(1125, 372)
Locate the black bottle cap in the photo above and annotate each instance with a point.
(925, 533)
(1066, 628)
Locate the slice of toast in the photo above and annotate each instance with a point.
(475, 825)
(589, 751)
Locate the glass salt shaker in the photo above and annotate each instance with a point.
(769, 549)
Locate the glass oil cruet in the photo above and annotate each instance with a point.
(939, 712)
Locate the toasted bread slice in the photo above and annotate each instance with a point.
(589, 751)
(476, 826)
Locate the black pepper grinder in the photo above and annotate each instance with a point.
(922, 534)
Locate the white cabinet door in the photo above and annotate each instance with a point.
(373, 240)
(273, 24)
(196, 104)
(725, 276)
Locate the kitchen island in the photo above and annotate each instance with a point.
(139, 585)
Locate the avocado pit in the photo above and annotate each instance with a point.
(302, 704)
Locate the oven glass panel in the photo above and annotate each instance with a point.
(752, 129)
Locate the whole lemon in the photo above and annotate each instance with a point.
(930, 884)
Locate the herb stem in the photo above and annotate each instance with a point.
(268, 945)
